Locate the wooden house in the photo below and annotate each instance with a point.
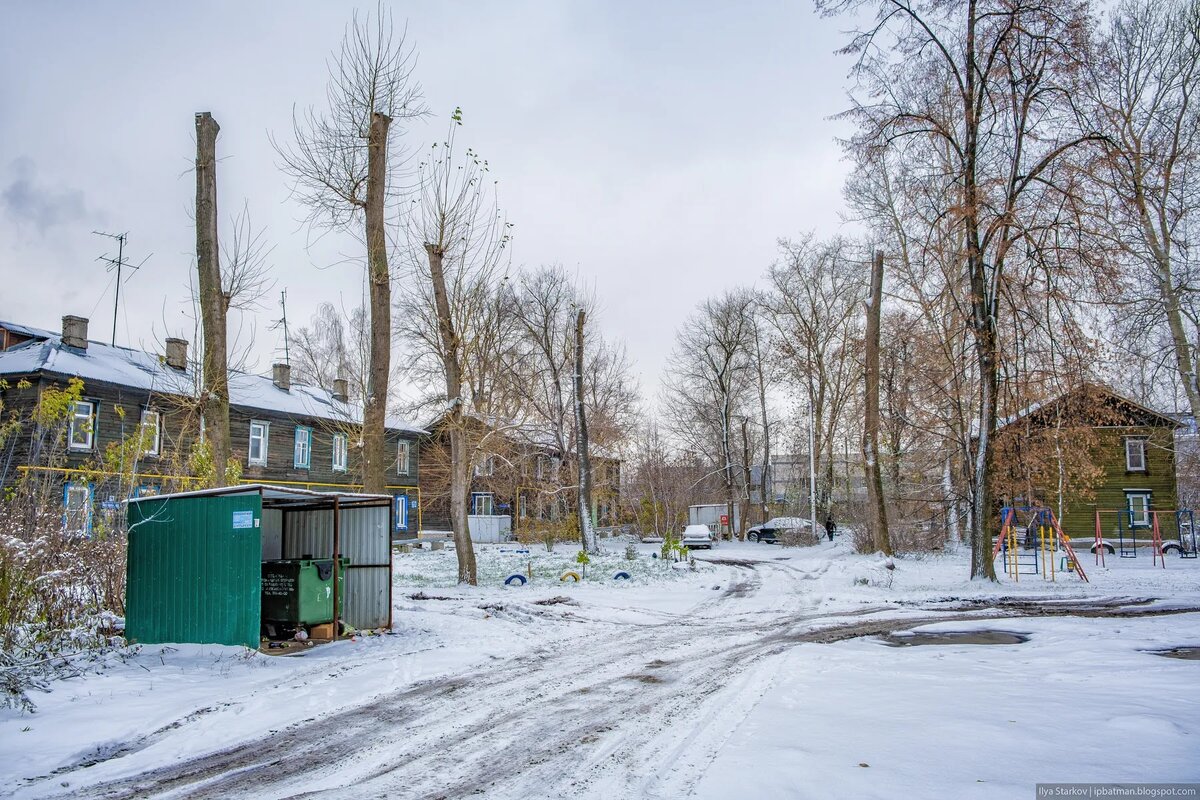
(1090, 450)
(281, 433)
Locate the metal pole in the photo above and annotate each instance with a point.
(337, 547)
(117, 294)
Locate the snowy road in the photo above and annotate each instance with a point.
(629, 701)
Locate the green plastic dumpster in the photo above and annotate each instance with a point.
(297, 592)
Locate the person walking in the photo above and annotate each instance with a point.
(830, 526)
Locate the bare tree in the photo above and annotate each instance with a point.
(1142, 89)
(346, 164)
(709, 381)
(814, 309)
(213, 306)
(982, 87)
(587, 531)
(455, 315)
(876, 507)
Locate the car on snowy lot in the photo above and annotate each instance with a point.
(652, 538)
(696, 536)
(772, 530)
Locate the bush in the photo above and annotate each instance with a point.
(62, 594)
(796, 537)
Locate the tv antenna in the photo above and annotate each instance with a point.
(119, 263)
(282, 323)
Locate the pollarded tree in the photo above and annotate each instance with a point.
(456, 317)
(347, 166)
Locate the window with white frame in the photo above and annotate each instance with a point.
(1138, 504)
(1135, 454)
(302, 453)
(340, 450)
(77, 507)
(82, 433)
(482, 503)
(486, 468)
(539, 468)
(403, 458)
(151, 431)
(259, 437)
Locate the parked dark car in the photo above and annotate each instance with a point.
(769, 531)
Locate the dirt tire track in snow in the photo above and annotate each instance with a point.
(584, 716)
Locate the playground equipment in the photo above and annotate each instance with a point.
(1129, 534)
(621, 575)
(1030, 549)
(570, 575)
(516, 579)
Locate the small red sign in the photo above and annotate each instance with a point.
(724, 519)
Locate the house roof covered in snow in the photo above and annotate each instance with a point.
(125, 366)
(1133, 407)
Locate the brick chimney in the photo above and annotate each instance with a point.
(74, 331)
(176, 357)
(281, 374)
(341, 391)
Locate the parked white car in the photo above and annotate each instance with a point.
(696, 536)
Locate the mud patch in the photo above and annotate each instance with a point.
(644, 678)
(1189, 653)
(556, 601)
(952, 637)
(658, 663)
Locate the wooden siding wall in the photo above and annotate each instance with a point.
(177, 438)
(1159, 479)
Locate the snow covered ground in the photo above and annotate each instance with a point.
(760, 674)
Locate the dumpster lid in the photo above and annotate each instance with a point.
(278, 495)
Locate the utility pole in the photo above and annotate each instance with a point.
(118, 263)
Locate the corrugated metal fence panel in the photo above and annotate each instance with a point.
(194, 570)
(367, 596)
(364, 536)
(489, 528)
(272, 534)
(308, 533)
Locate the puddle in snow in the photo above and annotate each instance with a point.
(1186, 653)
(952, 637)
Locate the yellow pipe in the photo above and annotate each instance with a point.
(244, 481)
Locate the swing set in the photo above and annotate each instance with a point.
(1030, 539)
(1129, 524)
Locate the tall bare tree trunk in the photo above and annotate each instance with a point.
(460, 455)
(876, 509)
(765, 478)
(746, 478)
(587, 532)
(215, 403)
(380, 282)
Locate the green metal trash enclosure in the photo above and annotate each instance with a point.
(194, 569)
(299, 592)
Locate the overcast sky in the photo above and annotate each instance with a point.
(658, 149)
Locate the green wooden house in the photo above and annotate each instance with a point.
(1091, 450)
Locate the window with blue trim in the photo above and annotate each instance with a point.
(401, 503)
(77, 507)
(302, 455)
